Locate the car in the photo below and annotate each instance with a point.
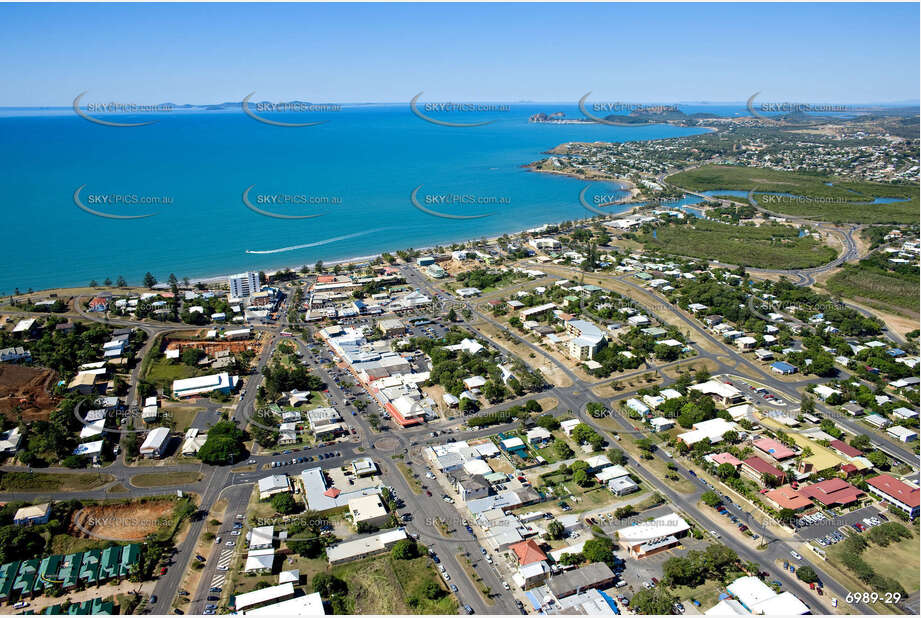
(453, 588)
(506, 586)
(215, 589)
(483, 550)
(428, 493)
(468, 609)
(210, 606)
(217, 540)
(795, 555)
(178, 611)
(21, 604)
(251, 461)
(229, 544)
(162, 570)
(234, 533)
(152, 600)
(222, 568)
(208, 612)
(214, 598)
(715, 533)
(655, 581)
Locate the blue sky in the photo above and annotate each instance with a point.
(204, 53)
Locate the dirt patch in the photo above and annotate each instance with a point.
(26, 391)
(123, 522)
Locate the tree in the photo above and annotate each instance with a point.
(224, 444)
(431, 590)
(149, 280)
(329, 585)
(94, 284)
(726, 471)
(879, 460)
(807, 405)
(655, 601)
(617, 457)
(120, 282)
(581, 478)
(555, 530)
(861, 442)
(407, 549)
(548, 422)
(599, 549)
(107, 282)
(285, 503)
(562, 450)
(807, 574)
(710, 498)
(786, 515)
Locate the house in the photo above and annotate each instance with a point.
(774, 449)
(472, 487)
(275, 484)
(897, 493)
(36, 514)
(596, 575)
(877, 420)
(660, 423)
(746, 343)
(514, 446)
(568, 425)
(637, 406)
(712, 430)
(531, 575)
(783, 368)
(538, 436)
(824, 392)
(845, 449)
(902, 434)
(9, 441)
(756, 468)
(785, 497)
(527, 552)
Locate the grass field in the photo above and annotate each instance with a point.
(888, 289)
(163, 372)
(161, 479)
(40, 481)
(707, 593)
(766, 246)
(66, 544)
(836, 202)
(381, 585)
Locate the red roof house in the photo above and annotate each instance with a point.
(528, 552)
(845, 449)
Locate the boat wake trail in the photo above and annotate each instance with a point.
(317, 243)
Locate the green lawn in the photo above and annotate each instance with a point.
(765, 246)
(707, 593)
(834, 203)
(163, 372)
(41, 481)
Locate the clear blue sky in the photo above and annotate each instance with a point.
(204, 53)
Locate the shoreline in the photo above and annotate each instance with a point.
(221, 278)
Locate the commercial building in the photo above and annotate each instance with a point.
(586, 339)
(369, 510)
(786, 497)
(263, 596)
(364, 546)
(307, 605)
(243, 285)
(899, 494)
(155, 443)
(202, 385)
(594, 575)
(759, 599)
(653, 536)
(275, 484)
(725, 394)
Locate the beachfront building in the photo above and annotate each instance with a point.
(243, 285)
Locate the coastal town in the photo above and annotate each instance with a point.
(460, 309)
(574, 419)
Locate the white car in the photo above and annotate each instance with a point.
(235, 533)
(795, 555)
(715, 534)
(222, 568)
(647, 585)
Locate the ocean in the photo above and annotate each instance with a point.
(358, 170)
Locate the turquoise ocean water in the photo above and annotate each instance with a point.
(364, 161)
